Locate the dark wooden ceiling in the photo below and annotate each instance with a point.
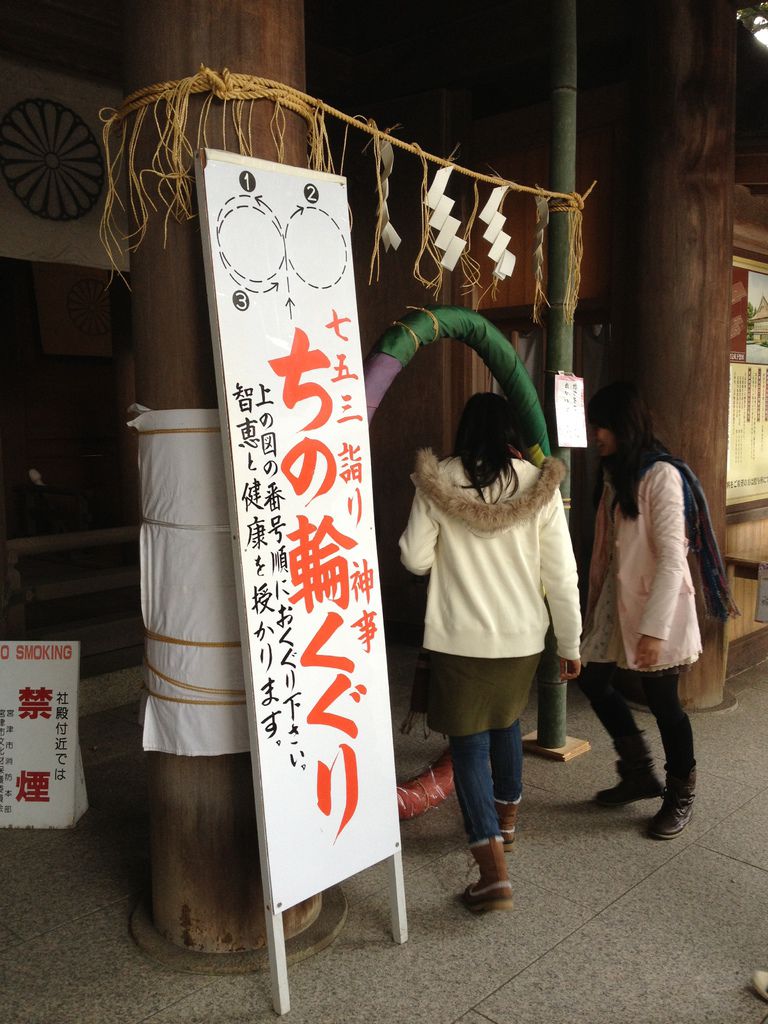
(361, 54)
(368, 52)
(79, 36)
(496, 51)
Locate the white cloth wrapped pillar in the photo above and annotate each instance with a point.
(195, 701)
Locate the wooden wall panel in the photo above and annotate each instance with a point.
(750, 536)
(596, 161)
(526, 165)
(515, 146)
(57, 415)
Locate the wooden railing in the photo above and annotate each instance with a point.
(23, 589)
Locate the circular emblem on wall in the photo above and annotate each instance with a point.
(50, 159)
(88, 306)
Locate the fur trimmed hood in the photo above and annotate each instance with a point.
(444, 483)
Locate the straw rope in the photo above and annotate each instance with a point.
(575, 252)
(413, 334)
(168, 105)
(208, 690)
(183, 700)
(160, 638)
(432, 317)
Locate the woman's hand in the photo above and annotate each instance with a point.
(569, 668)
(648, 651)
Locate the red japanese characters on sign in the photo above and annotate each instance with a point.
(316, 556)
(35, 703)
(33, 786)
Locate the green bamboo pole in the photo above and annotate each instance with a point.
(551, 725)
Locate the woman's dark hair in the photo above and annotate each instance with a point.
(486, 440)
(619, 408)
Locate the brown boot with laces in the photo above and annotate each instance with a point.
(492, 891)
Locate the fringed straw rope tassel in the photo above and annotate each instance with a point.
(427, 245)
(469, 265)
(277, 126)
(169, 178)
(376, 248)
(575, 253)
(539, 296)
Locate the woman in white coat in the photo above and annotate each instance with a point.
(641, 612)
(490, 529)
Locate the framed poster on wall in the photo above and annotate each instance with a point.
(747, 473)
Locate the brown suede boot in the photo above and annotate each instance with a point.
(507, 813)
(676, 809)
(638, 780)
(492, 891)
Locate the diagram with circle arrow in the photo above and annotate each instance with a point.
(263, 257)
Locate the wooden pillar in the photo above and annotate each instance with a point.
(680, 233)
(206, 888)
(129, 511)
(5, 582)
(551, 722)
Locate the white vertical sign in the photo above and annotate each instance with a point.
(569, 411)
(40, 766)
(292, 400)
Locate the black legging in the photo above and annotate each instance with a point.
(660, 688)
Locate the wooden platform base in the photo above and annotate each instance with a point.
(572, 748)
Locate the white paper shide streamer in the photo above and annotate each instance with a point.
(503, 260)
(442, 223)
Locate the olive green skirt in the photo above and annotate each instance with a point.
(469, 695)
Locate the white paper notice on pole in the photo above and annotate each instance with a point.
(40, 765)
(569, 411)
(761, 606)
(292, 399)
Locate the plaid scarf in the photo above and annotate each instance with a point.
(717, 595)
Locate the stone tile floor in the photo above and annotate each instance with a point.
(609, 927)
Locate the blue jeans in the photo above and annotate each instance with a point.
(486, 766)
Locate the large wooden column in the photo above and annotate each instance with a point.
(206, 888)
(679, 243)
(4, 567)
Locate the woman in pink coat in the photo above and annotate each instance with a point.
(641, 612)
